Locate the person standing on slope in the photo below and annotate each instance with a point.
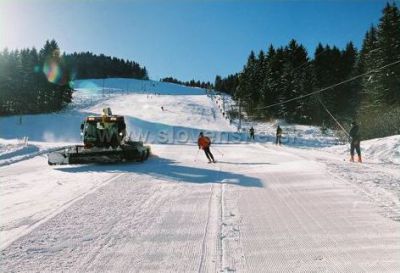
(278, 135)
(251, 133)
(204, 143)
(355, 139)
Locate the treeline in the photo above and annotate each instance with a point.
(228, 84)
(34, 81)
(284, 73)
(191, 83)
(90, 66)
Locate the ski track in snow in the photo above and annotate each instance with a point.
(261, 208)
(136, 220)
(286, 219)
(378, 182)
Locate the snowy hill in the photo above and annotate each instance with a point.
(185, 109)
(261, 206)
(136, 86)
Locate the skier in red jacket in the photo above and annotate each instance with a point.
(204, 143)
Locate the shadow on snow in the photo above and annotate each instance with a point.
(244, 163)
(20, 152)
(163, 168)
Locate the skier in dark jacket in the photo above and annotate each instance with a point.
(278, 135)
(204, 143)
(355, 141)
(251, 133)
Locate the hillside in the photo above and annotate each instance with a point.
(286, 208)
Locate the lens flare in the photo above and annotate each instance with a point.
(53, 72)
(36, 69)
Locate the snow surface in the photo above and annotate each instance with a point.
(137, 86)
(12, 151)
(261, 208)
(380, 150)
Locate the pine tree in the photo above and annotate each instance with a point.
(245, 92)
(268, 94)
(297, 81)
(277, 84)
(368, 62)
(379, 100)
(257, 81)
(327, 71)
(346, 94)
(388, 44)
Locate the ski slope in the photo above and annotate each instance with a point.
(261, 208)
(142, 109)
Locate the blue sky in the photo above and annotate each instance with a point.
(184, 39)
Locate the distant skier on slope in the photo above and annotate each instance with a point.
(251, 131)
(278, 135)
(204, 143)
(355, 139)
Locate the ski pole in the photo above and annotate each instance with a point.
(218, 151)
(197, 154)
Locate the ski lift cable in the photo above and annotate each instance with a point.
(331, 86)
(307, 63)
(332, 116)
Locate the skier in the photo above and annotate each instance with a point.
(251, 133)
(278, 135)
(355, 141)
(162, 108)
(204, 143)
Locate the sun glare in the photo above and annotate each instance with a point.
(14, 25)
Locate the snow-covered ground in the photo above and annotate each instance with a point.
(380, 150)
(15, 150)
(294, 135)
(261, 208)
